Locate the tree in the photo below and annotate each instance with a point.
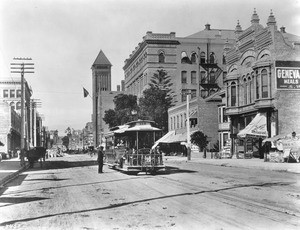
(200, 139)
(157, 99)
(125, 110)
(65, 141)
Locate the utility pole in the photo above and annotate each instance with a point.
(35, 103)
(22, 68)
(188, 136)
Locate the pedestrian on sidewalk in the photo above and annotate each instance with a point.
(100, 159)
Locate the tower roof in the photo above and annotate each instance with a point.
(102, 59)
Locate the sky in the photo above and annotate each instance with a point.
(64, 37)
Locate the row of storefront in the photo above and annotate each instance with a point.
(260, 96)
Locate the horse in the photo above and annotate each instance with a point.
(36, 154)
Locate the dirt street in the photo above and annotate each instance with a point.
(69, 194)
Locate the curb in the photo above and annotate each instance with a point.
(12, 176)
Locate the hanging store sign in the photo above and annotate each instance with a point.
(288, 74)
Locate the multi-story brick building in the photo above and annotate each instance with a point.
(196, 66)
(10, 92)
(10, 128)
(262, 84)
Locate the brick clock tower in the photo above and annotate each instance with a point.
(101, 82)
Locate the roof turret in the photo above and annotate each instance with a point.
(254, 18)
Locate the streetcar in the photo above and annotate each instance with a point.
(128, 148)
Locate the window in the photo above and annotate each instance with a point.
(19, 93)
(193, 78)
(250, 88)
(257, 86)
(177, 121)
(183, 95)
(181, 121)
(193, 93)
(233, 94)
(212, 58)
(18, 105)
(202, 57)
(12, 105)
(183, 77)
(225, 117)
(12, 93)
(245, 91)
(171, 122)
(184, 58)
(264, 84)
(193, 58)
(161, 57)
(5, 93)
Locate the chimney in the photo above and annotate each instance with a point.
(282, 29)
(207, 26)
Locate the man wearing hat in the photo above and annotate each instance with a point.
(100, 158)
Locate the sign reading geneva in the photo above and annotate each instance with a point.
(288, 78)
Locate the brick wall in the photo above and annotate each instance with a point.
(288, 106)
(208, 115)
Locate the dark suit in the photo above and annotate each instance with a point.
(100, 160)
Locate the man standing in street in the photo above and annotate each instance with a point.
(100, 159)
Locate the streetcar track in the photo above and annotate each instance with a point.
(207, 190)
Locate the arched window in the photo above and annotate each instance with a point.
(264, 84)
(12, 105)
(257, 86)
(202, 57)
(245, 91)
(212, 58)
(194, 58)
(18, 105)
(250, 88)
(233, 94)
(183, 77)
(161, 57)
(184, 58)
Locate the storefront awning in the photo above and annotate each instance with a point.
(256, 128)
(172, 137)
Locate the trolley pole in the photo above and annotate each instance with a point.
(22, 68)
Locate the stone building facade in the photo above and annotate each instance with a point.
(10, 91)
(262, 78)
(102, 96)
(10, 128)
(197, 68)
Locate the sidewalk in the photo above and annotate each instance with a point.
(239, 163)
(10, 169)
